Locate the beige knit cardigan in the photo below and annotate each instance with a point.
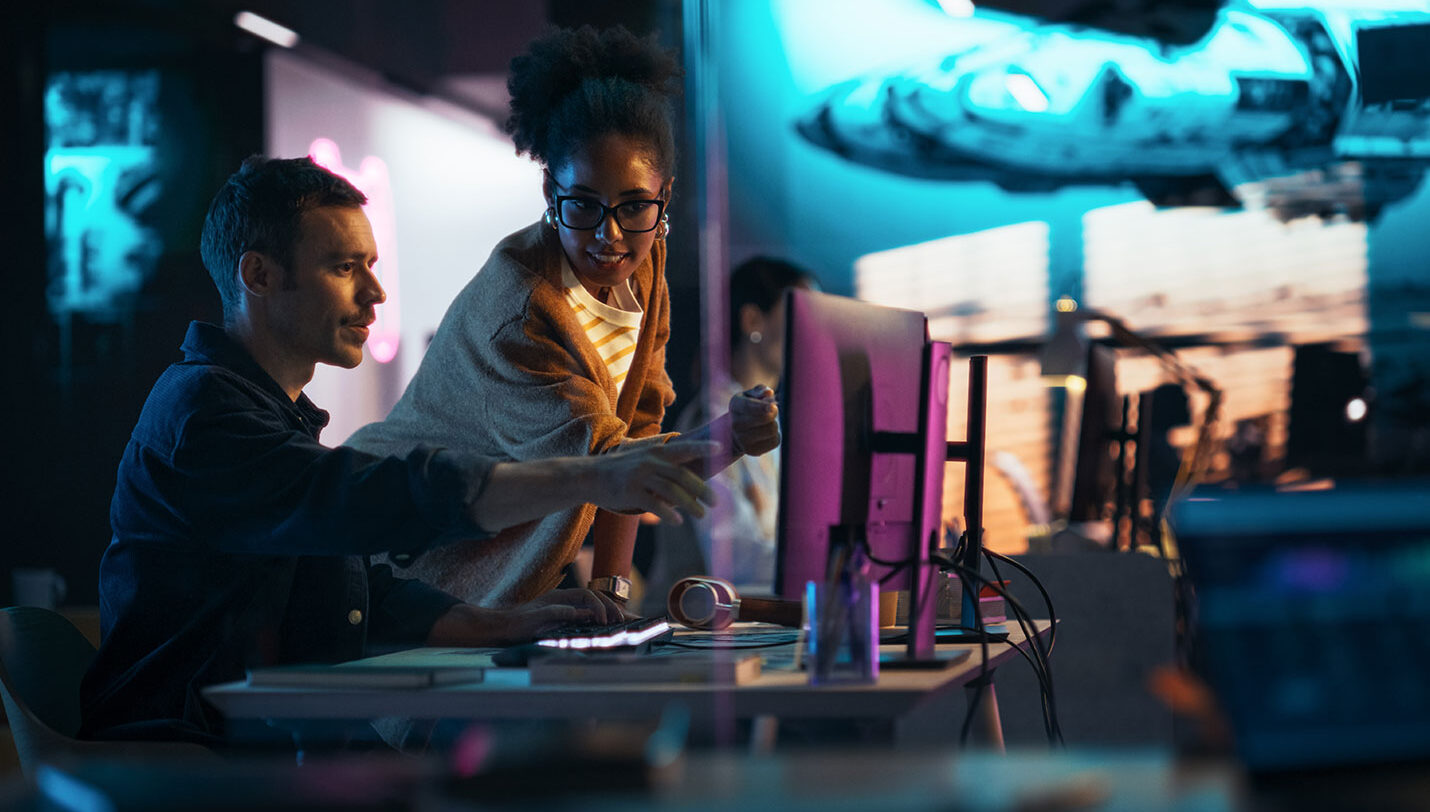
(510, 373)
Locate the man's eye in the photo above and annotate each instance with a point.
(582, 204)
(636, 206)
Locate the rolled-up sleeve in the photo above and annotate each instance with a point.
(402, 610)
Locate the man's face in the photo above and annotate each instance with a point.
(328, 294)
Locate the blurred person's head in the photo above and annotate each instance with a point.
(757, 317)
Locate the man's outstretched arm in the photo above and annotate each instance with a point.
(657, 479)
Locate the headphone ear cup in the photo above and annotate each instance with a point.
(702, 602)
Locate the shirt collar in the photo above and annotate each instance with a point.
(210, 344)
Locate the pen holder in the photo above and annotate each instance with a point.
(842, 640)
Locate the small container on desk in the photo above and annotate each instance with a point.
(842, 638)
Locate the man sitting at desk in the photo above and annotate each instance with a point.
(240, 541)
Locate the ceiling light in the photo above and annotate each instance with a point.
(266, 29)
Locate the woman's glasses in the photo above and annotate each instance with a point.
(586, 213)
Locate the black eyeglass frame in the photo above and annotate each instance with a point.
(608, 211)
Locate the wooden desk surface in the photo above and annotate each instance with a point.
(509, 694)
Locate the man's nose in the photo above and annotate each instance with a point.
(371, 290)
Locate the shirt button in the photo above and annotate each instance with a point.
(355, 617)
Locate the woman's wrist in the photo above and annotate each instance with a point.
(616, 587)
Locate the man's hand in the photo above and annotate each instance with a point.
(754, 419)
(655, 479)
(467, 625)
(651, 478)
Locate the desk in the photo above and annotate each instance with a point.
(893, 705)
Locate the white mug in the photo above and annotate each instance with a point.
(35, 586)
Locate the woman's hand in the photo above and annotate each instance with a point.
(603, 608)
(467, 625)
(754, 419)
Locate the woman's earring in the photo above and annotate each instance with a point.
(550, 216)
(756, 337)
(662, 229)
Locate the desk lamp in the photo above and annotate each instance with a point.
(1063, 361)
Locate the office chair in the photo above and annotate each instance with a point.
(43, 658)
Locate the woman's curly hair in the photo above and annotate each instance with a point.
(575, 85)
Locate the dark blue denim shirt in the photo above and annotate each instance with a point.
(240, 541)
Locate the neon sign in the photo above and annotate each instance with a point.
(101, 186)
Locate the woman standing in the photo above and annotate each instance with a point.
(557, 346)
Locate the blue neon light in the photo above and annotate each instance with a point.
(101, 182)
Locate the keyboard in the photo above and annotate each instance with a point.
(628, 635)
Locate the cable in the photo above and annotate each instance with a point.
(1039, 658)
(1054, 726)
(977, 698)
(1040, 664)
(1025, 622)
(895, 567)
(1042, 668)
(1052, 615)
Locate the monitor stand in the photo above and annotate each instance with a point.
(937, 450)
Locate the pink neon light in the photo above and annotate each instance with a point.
(371, 178)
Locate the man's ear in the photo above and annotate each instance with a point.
(257, 273)
(665, 192)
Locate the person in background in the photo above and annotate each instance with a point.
(557, 346)
(240, 541)
(747, 493)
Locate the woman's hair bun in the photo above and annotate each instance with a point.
(557, 65)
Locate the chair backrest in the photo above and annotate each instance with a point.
(43, 658)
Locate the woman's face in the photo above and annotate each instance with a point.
(609, 171)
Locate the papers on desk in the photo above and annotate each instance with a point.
(722, 668)
(363, 675)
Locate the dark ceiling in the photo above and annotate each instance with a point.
(419, 44)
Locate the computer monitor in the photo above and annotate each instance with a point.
(863, 410)
(1311, 609)
(1097, 425)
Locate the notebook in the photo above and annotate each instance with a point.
(364, 674)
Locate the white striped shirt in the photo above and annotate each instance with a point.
(613, 327)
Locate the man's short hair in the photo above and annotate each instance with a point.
(260, 208)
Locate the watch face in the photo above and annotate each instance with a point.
(613, 585)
